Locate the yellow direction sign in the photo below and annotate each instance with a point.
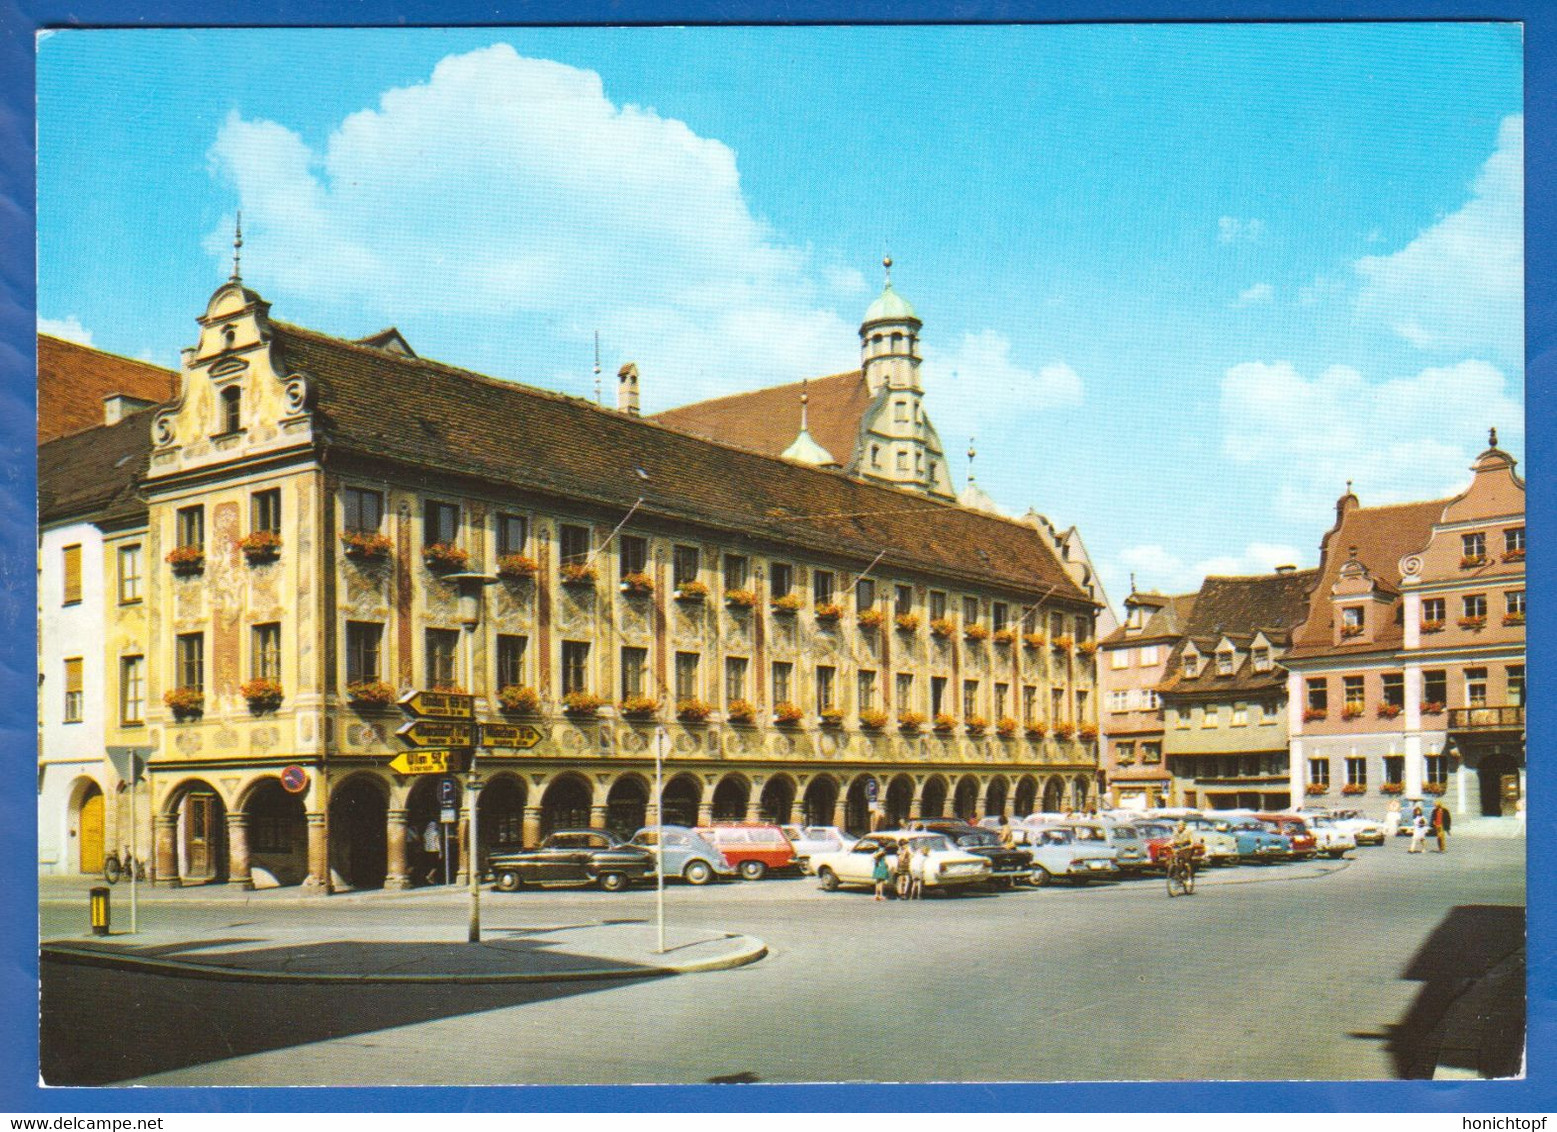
(437, 733)
(420, 762)
(440, 705)
(516, 736)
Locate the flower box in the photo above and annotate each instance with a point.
(445, 557)
(976, 632)
(187, 560)
(1435, 788)
(636, 585)
(1513, 556)
(1472, 622)
(740, 711)
(943, 626)
(263, 695)
(1037, 730)
(830, 717)
(1064, 730)
(910, 720)
(1087, 732)
(787, 714)
(1087, 648)
(828, 611)
(1389, 711)
(945, 723)
(365, 546)
(1064, 643)
(1034, 640)
(1432, 626)
(787, 603)
(1314, 715)
(371, 693)
(871, 618)
(518, 699)
(581, 703)
(185, 703)
(450, 689)
(1392, 788)
(1353, 789)
(260, 546)
(639, 707)
(1472, 560)
(1351, 712)
(577, 574)
(907, 622)
(740, 599)
(872, 719)
(976, 724)
(1006, 726)
(1003, 636)
(693, 590)
(1316, 788)
(1513, 618)
(1351, 631)
(693, 710)
(1432, 707)
(517, 567)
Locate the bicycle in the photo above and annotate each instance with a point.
(1181, 873)
(113, 869)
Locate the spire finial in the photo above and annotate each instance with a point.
(237, 248)
(1348, 487)
(597, 367)
(805, 399)
(886, 262)
(971, 455)
(1492, 437)
(1132, 581)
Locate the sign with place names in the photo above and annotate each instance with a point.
(437, 733)
(515, 736)
(420, 762)
(440, 705)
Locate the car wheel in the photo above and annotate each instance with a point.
(1041, 877)
(753, 870)
(507, 881)
(828, 878)
(1337, 854)
(613, 882)
(697, 872)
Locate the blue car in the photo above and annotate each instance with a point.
(1255, 840)
(687, 854)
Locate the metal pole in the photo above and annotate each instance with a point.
(135, 850)
(474, 864)
(659, 840)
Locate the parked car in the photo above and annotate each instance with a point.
(573, 857)
(946, 866)
(1256, 841)
(1334, 840)
(1366, 830)
(811, 839)
(1131, 854)
(1211, 834)
(1005, 862)
(1303, 843)
(687, 855)
(1059, 854)
(752, 847)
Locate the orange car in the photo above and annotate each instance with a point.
(752, 847)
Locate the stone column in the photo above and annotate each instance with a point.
(238, 874)
(462, 839)
(754, 807)
(1415, 765)
(705, 813)
(318, 880)
(597, 817)
(981, 801)
(916, 806)
(165, 850)
(398, 872)
(841, 810)
(532, 826)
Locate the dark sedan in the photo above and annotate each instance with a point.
(574, 857)
(1005, 862)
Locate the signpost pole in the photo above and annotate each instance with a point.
(473, 866)
(659, 840)
(135, 845)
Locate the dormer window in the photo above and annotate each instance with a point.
(1224, 662)
(232, 408)
(1191, 664)
(1262, 659)
(1135, 618)
(1351, 621)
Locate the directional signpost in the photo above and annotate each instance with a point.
(514, 736)
(437, 733)
(427, 762)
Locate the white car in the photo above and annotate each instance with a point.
(945, 866)
(809, 840)
(1330, 836)
(1363, 829)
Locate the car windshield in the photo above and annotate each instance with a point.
(934, 842)
(976, 838)
(1089, 833)
(1058, 837)
(1125, 833)
(1150, 831)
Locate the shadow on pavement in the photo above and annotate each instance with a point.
(1470, 1013)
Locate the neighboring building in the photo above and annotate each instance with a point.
(1408, 678)
(1132, 664)
(74, 381)
(1224, 698)
(324, 525)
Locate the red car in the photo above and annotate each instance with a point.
(752, 847)
(1158, 839)
(1304, 843)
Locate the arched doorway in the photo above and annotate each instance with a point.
(932, 802)
(277, 833)
(679, 800)
(627, 805)
(565, 805)
(965, 802)
(1026, 800)
(1078, 793)
(856, 805)
(202, 834)
(1498, 781)
(500, 805)
(730, 798)
(359, 850)
(777, 803)
(995, 797)
(87, 825)
(1054, 796)
(821, 799)
(432, 838)
(900, 800)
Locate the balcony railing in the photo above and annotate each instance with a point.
(1487, 719)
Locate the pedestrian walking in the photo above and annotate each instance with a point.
(905, 864)
(881, 872)
(916, 870)
(432, 845)
(1392, 818)
(1440, 824)
(1418, 830)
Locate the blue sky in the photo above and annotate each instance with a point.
(1181, 282)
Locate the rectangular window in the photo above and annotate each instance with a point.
(1475, 687)
(1351, 620)
(999, 615)
(363, 639)
(737, 572)
(867, 690)
(905, 691)
(937, 695)
(1433, 612)
(572, 544)
(129, 574)
(1474, 607)
(1119, 658)
(265, 511)
(1124, 753)
(442, 646)
(632, 555)
(1262, 659)
(1319, 772)
(1224, 663)
(865, 594)
(1119, 701)
(1240, 715)
(822, 587)
(189, 657)
(1352, 694)
(132, 689)
(1148, 655)
(73, 691)
(1394, 689)
(900, 411)
(1515, 676)
(686, 675)
(970, 698)
(513, 534)
(1318, 695)
(1394, 770)
(1029, 703)
(1474, 546)
(1151, 753)
(1357, 771)
(1191, 664)
(1181, 718)
(1002, 695)
(1083, 628)
(1514, 541)
(440, 524)
(1514, 605)
(735, 678)
(970, 611)
(635, 662)
(825, 686)
(1435, 688)
(575, 667)
(364, 509)
(1151, 700)
(902, 461)
(71, 563)
(1212, 716)
(685, 562)
(1056, 705)
(510, 660)
(1438, 769)
(783, 672)
(190, 526)
(902, 599)
(1081, 705)
(265, 663)
(937, 605)
(782, 575)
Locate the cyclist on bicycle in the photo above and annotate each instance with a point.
(1182, 847)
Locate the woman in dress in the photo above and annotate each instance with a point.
(881, 872)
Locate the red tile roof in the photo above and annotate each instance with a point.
(73, 380)
(767, 420)
(1239, 609)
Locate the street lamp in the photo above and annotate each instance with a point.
(472, 587)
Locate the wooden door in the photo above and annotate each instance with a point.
(200, 819)
(91, 833)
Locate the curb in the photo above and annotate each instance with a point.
(750, 950)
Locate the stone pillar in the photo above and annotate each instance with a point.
(238, 874)
(1297, 772)
(165, 850)
(705, 813)
(318, 879)
(597, 817)
(841, 810)
(980, 802)
(754, 807)
(532, 826)
(651, 813)
(398, 872)
(1414, 768)
(462, 839)
(916, 807)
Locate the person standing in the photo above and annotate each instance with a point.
(905, 865)
(881, 872)
(916, 870)
(432, 846)
(1392, 818)
(1440, 824)
(1418, 830)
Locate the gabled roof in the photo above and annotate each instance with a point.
(92, 475)
(1167, 622)
(1236, 609)
(451, 422)
(74, 379)
(767, 420)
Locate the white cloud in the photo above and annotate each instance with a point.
(1320, 289)
(512, 196)
(1156, 568)
(1259, 293)
(976, 388)
(1459, 286)
(1397, 440)
(69, 328)
(1232, 230)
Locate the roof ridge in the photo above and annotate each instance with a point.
(766, 389)
(107, 353)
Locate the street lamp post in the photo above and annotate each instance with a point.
(660, 737)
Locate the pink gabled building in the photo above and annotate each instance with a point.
(1132, 662)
